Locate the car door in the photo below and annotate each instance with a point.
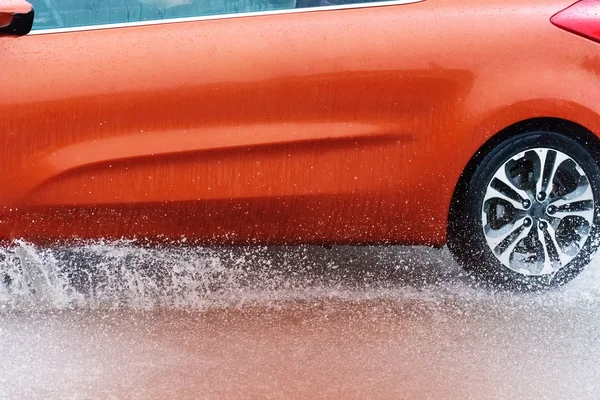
(256, 122)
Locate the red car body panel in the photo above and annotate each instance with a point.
(325, 126)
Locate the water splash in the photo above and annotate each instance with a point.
(126, 275)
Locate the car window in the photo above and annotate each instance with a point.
(51, 14)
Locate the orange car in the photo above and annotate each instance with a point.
(467, 122)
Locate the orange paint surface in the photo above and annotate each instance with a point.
(345, 126)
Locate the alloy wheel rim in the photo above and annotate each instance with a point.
(538, 211)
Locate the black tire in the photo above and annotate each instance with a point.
(466, 238)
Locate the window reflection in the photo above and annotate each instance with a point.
(72, 13)
(51, 14)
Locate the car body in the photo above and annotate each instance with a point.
(347, 123)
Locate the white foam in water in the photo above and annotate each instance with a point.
(117, 275)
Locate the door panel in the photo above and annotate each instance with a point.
(246, 128)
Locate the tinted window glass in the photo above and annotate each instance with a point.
(72, 13)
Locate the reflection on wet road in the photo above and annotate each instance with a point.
(109, 321)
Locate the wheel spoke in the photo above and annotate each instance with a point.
(550, 160)
(583, 206)
(576, 207)
(547, 162)
(507, 245)
(503, 188)
(583, 192)
(548, 266)
(552, 247)
(495, 237)
(506, 192)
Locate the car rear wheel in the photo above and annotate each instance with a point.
(528, 217)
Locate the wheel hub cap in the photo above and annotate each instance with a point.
(538, 211)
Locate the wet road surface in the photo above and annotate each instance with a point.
(261, 323)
